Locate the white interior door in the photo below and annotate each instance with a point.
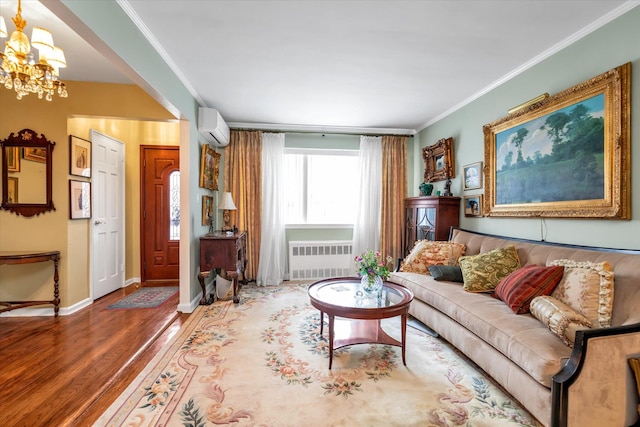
(107, 222)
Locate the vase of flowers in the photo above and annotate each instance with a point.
(373, 268)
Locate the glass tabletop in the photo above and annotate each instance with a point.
(347, 293)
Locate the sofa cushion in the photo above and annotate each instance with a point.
(587, 287)
(483, 272)
(449, 273)
(520, 287)
(561, 319)
(426, 253)
(523, 339)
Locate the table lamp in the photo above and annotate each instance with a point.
(227, 205)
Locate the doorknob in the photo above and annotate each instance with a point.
(98, 222)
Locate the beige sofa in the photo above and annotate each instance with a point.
(592, 383)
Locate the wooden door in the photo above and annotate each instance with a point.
(107, 229)
(160, 212)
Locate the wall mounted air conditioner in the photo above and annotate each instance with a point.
(213, 127)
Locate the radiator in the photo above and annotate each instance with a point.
(319, 259)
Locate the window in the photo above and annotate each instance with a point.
(320, 186)
(174, 205)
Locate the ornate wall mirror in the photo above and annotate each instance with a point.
(438, 161)
(26, 173)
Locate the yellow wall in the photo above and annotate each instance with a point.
(54, 230)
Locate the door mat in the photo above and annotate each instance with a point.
(146, 297)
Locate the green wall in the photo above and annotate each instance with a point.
(612, 45)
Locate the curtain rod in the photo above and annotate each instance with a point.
(321, 132)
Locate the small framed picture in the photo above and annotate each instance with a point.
(79, 156)
(207, 209)
(473, 205)
(79, 199)
(35, 154)
(12, 190)
(472, 176)
(13, 158)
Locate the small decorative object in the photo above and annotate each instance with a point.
(447, 187)
(373, 269)
(426, 189)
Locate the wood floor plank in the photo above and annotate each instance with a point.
(68, 370)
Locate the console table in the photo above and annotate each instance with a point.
(228, 252)
(12, 258)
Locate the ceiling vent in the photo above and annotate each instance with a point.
(213, 127)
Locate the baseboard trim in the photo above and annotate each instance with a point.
(47, 311)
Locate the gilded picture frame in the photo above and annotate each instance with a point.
(438, 161)
(209, 168)
(473, 205)
(13, 158)
(79, 156)
(567, 156)
(12, 190)
(472, 176)
(207, 209)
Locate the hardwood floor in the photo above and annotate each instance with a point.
(66, 371)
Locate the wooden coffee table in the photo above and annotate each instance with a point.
(359, 315)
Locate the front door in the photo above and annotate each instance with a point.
(107, 222)
(160, 212)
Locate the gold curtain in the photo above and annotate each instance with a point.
(243, 179)
(394, 191)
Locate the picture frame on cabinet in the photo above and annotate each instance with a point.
(207, 209)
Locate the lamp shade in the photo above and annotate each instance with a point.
(41, 39)
(227, 202)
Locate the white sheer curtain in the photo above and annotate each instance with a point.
(366, 230)
(272, 266)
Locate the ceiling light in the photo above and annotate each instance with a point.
(19, 69)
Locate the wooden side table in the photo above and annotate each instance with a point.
(228, 252)
(14, 258)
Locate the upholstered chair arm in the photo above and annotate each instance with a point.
(597, 387)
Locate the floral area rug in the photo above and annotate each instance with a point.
(146, 297)
(263, 363)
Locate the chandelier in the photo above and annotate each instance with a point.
(19, 69)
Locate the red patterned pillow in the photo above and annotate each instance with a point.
(520, 287)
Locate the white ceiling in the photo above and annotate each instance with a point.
(361, 64)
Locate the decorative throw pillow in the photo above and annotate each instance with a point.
(426, 253)
(561, 319)
(483, 272)
(450, 273)
(587, 287)
(520, 287)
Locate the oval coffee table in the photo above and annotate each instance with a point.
(359, 314)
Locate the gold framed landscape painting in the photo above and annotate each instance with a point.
(567, 156)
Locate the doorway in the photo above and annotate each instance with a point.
(160, 212)
(107, 222)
